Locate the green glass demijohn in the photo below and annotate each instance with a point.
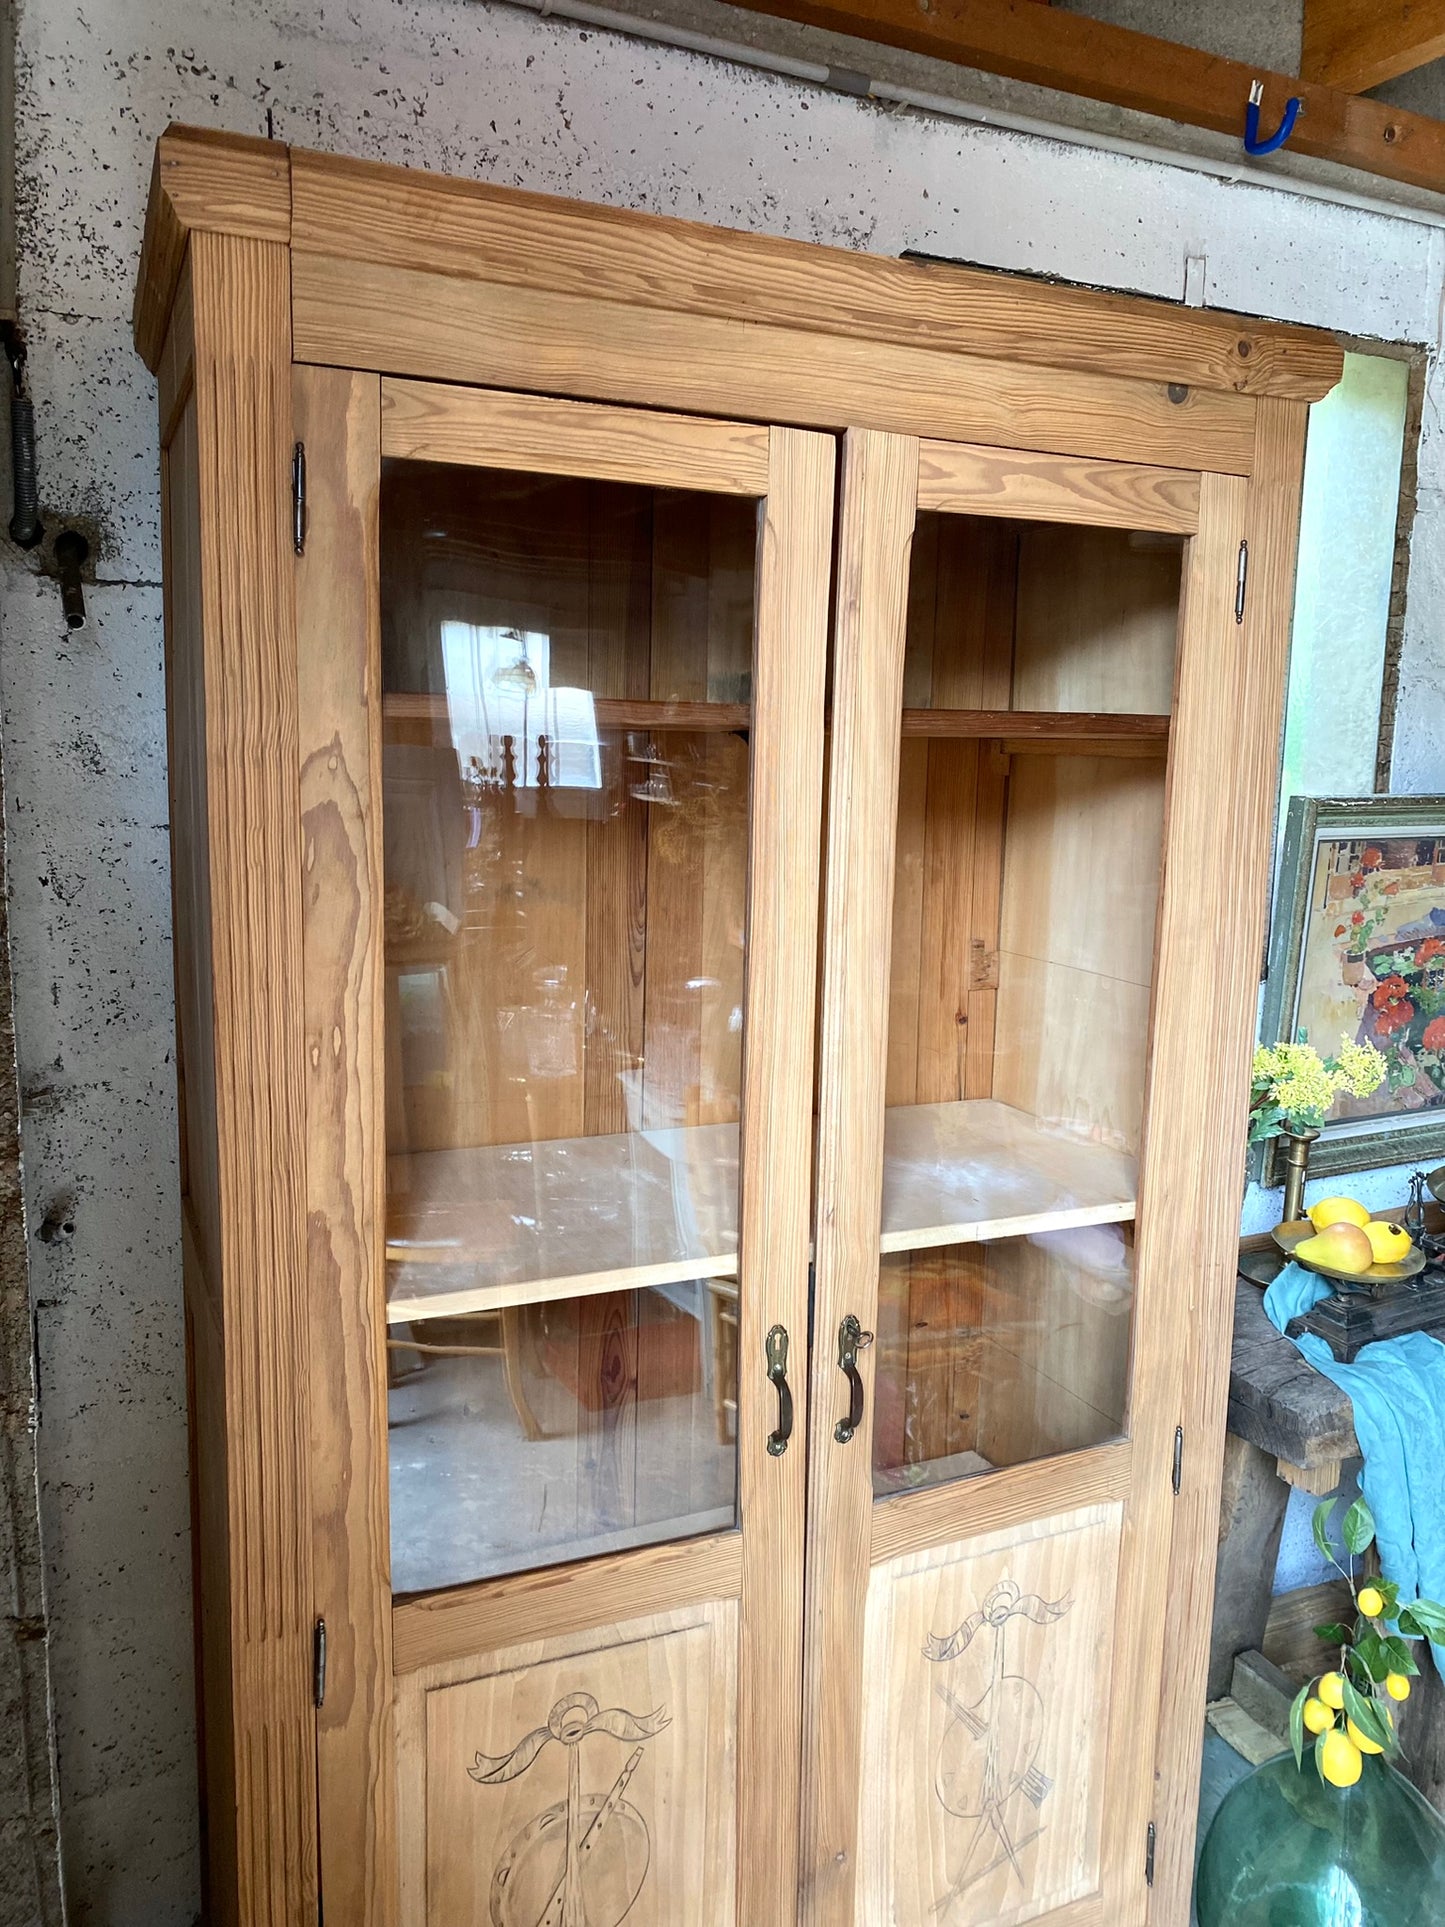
(1288, 1850)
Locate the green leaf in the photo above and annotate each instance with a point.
(1372, 1653)
(1390, 1593)
(1368, 1717)
(1334, 1634)
(1402, 1660)
(1320, 1756)
(1405, 1620)
(1358, 1526)
(1297, 1725)
(1318, 1524)
(1429, 1620)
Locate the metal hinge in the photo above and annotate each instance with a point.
(1149, 1856)
(318, 1663)
(1241, 581)
(1176, 1478)
(298, 497)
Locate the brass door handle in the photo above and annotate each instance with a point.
(777, 1355)
(852, 1339)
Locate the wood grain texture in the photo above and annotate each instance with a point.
(338, 671)
(777, 1131)
(403, 219)
(1190, 1164)
(441, 1627)
(1077, 55)
(175, 374)
(1248, 699)
(989, 1780)
(1279, 1401)
(879, 490)
(252, 829)
(195, 1095)
(430, 422)
(1251, 1519)
(586, 346)
(1357, 44)
(211, 1581)
(966, 480)
(205, 180)
(653, 1777)
(1004, 1501)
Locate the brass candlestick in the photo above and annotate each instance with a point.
(1295, 1151)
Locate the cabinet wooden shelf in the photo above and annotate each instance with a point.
(1021, 727)
(503, 1225)
(611, 712)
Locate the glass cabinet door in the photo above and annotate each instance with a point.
(566, 694)
(990, 1365)
(594, 696)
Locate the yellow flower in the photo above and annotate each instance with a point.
(1361, 1068)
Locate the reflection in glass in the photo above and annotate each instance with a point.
(566, 672)
(1026, 888)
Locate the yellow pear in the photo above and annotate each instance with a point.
(1389, 1242)
(1343, 1247)
(1337, 1211)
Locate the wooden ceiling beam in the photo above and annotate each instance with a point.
(1076, 55)
(1355, 44)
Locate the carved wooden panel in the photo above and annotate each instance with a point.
(986, 1731)
(574, 1782)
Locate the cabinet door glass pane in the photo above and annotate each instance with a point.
(1023, 940)
(566, 670)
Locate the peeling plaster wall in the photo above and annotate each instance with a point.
(502, 95)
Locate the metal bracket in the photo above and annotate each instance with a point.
(318, 1663)
(1241, 581)
(1176, 1477)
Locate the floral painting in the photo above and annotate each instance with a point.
(1359, 958)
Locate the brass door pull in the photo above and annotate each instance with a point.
(852, 1339)
(777, 1354)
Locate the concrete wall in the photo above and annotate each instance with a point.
(498, 94)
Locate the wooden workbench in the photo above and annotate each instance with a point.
(1289, 1426)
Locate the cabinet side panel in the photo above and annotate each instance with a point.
(338, 656)
(1205, 1311)
(195, 1080)
(241, 295)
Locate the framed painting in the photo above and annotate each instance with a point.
(1358, 952)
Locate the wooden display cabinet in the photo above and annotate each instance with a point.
(721, 797)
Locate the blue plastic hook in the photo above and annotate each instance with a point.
(1252, 143)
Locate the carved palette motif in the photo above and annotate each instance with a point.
(582, 1861)
(988, 1770)
(989, 1661)
(583, 1780)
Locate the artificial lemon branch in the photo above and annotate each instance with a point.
(1349, 1711)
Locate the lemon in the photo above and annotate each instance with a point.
(1370, 1602)
(1340, 1760)
(1332, 1691)
(1389, 1242)
(1318, 1717)
(1365, 1745)
(1397, 1685)
(1337, 1211)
